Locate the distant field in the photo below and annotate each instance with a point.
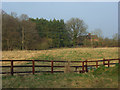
(63, 54)
(69, 54)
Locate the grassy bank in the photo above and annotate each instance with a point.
(101, 78)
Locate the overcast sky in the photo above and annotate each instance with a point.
(97, 15)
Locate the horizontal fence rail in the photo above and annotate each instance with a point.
(85, 65)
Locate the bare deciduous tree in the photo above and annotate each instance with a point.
(77, 28)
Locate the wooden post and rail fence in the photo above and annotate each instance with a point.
(85, 65)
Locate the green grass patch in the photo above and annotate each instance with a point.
(101, 78)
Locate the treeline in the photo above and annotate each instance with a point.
(24, 33)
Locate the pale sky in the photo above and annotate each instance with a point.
(97, 15)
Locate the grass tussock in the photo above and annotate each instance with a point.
(67, 68)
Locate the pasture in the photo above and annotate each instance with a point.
(62, 54)
(101, 78)
(73, 80)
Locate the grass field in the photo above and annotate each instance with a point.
(105, 77)
(101, 78)
(63, 54)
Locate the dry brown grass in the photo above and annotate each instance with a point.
(65, 53)
(68, 54)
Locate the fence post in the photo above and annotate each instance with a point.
(86, 66)
(83, 66)
(108, 63)
(33, 67)
(12, 67)
(103, 61)
(51, 66)
(96, 64)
